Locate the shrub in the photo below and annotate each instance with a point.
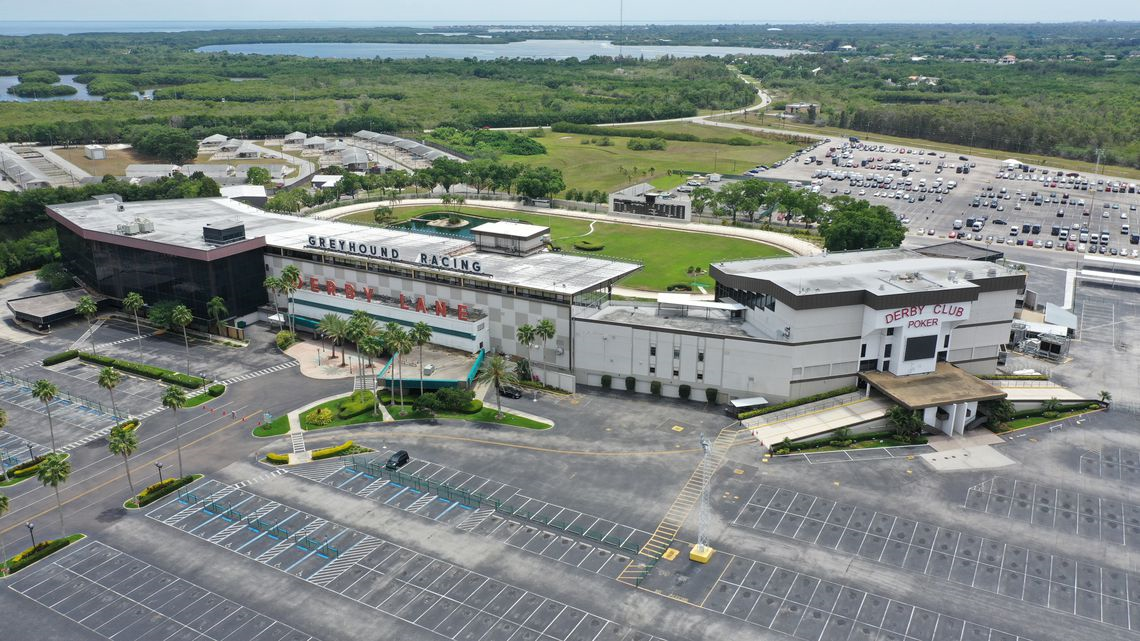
(31, 555)
(587, 246)
(128, 424)
(360, 402)
(149, 371)
(655, 388)
(453, 399)
(285, 339)
(473, 407)
(711, 394)
(680, 287)
(332, 451)
(319, 416)
(276, 459)
(684, 391)
(1050, 414)
(216, 390)
(25, 469)
(630, 383)
(607, 381)
(159, 490)
(426, 402)
(61, 357)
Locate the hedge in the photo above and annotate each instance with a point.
(277, 459)
(684, 391)
(587, 246)
(61, 357)
(216, 390)
(25, 469)
(630, 383)
(360, 402)
(711, 394)
(149, 371)
(607, 381)
(797, 402)
(329, 452)
(856, 438)
(1040, 411)
(473, 407)
(1013, 377)
(129, 424)
(655, 388)
(159, 490)
(31, 555)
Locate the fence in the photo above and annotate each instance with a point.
(270, 528)
(61, 395)
(374, 469)
(806, 408)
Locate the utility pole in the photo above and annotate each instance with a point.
(701, 552)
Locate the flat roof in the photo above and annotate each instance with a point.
(964, 251)
(884, 272)
(945, 385)
(51, 307)
(647, 314)
(511, 229)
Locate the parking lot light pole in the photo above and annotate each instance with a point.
(158, 464)
(30, 454)
(31, 527)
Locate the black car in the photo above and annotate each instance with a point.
(397, 460)
(510, 391)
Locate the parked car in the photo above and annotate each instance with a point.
(397, 460)
(510, 391)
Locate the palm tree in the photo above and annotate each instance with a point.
(400, 343)
(182, 316)
(216, 309)
(175, 398)
(496, 372)
(525, 336)
(1105, 396)
(338, 332)
(389, 336)
(326, 325)
(53, 471)
(421, 335)
(544, 331)
(3, 471)
(109, 379)
(274, 285)
(87, 308)
(132, 303)
(3, 554)
(45, 392)
(290, 281)
(123, 442)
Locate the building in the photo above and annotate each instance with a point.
(792, 327)
(216, 172)
(1008, 59)
(315, 142)
(800, 107)
(95, 152)
(150, 171)
(214, 141)
(249, 194)
(473, 288)
(296, 138)
(646, 200)
(354, 159)
(21, 172)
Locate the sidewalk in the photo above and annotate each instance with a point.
(297, 435)
(318, 362)
(783, 241)
(820, 422)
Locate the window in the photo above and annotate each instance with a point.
(700, 357)
(653, 350)
(887, 351)
(676, 352)
(920, 348)
(700, 376)
(946, 342)
(863, 351)
(652, 370)
(676, 374)
(890, 331)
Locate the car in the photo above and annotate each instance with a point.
(1000, 221)
(922, 230)
(1049, 244)
(397, 460)
(952, 235)
(510, 391)
(684, 189)
(930, 232)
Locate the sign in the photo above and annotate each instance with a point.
(372, 250)
(924, 316)
(352, 292)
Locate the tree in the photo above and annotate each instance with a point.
(258, 176)
(1105, 396)
(384, 215)
(173, 145)
(544, 331)
(337, 330)
(525, 335)
(326, 326)
(856, 224)
(905, 423)
(54, 471)
(132, 303)
(87, 308)
(182, 317)
(448, 172)
(174, 398)
(539, 182)
(3, 554)
(275, 286)
(702, 198)
(996, 411)
(734, 198)
(109, 379)
(123, 442)
(421, 335)
(290, 282)
(45, 392)
(54, 276)
(497, 373)
(216, 308)
(400, 343)
(1051, 405)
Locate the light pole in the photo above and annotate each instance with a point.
(31, 526)
(158, 464)
(30, 454)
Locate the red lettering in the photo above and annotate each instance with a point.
(441, 308)
(403, 302)
(368, 291)
(461, 312)
(349, 291)
(924, 322)
(420, 307)
(330, 287)
(314, 284)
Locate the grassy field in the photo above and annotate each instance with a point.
(666, 254)
(609, 168)
(1031, 159)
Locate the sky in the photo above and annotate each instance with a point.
(589, 11)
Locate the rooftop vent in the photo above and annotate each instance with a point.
(223, 233)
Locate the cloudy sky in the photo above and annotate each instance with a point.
(594, 11)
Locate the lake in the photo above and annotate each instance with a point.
(541, 49)
(12, 81)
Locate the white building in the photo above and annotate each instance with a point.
(95, 152)
(792, 327)
(646, 200)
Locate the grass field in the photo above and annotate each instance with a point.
(609, 168)
(1032, 159)
(666, 254)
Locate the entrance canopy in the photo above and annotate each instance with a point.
(944, 386)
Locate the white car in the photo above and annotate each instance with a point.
(684, 189)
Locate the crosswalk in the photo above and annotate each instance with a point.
(86, 439)
(297, 440)
(476, 519)
(260, 478)
(261, 372)
(346, 560)
(87, 335)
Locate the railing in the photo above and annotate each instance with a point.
(808, 408)
(67, 397)
(269, 527)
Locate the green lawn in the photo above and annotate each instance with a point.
(609, 168)
(367, 417)
(485, 415)
(666, 254)
(195, 401)
(1030, 421)
(276, 427)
